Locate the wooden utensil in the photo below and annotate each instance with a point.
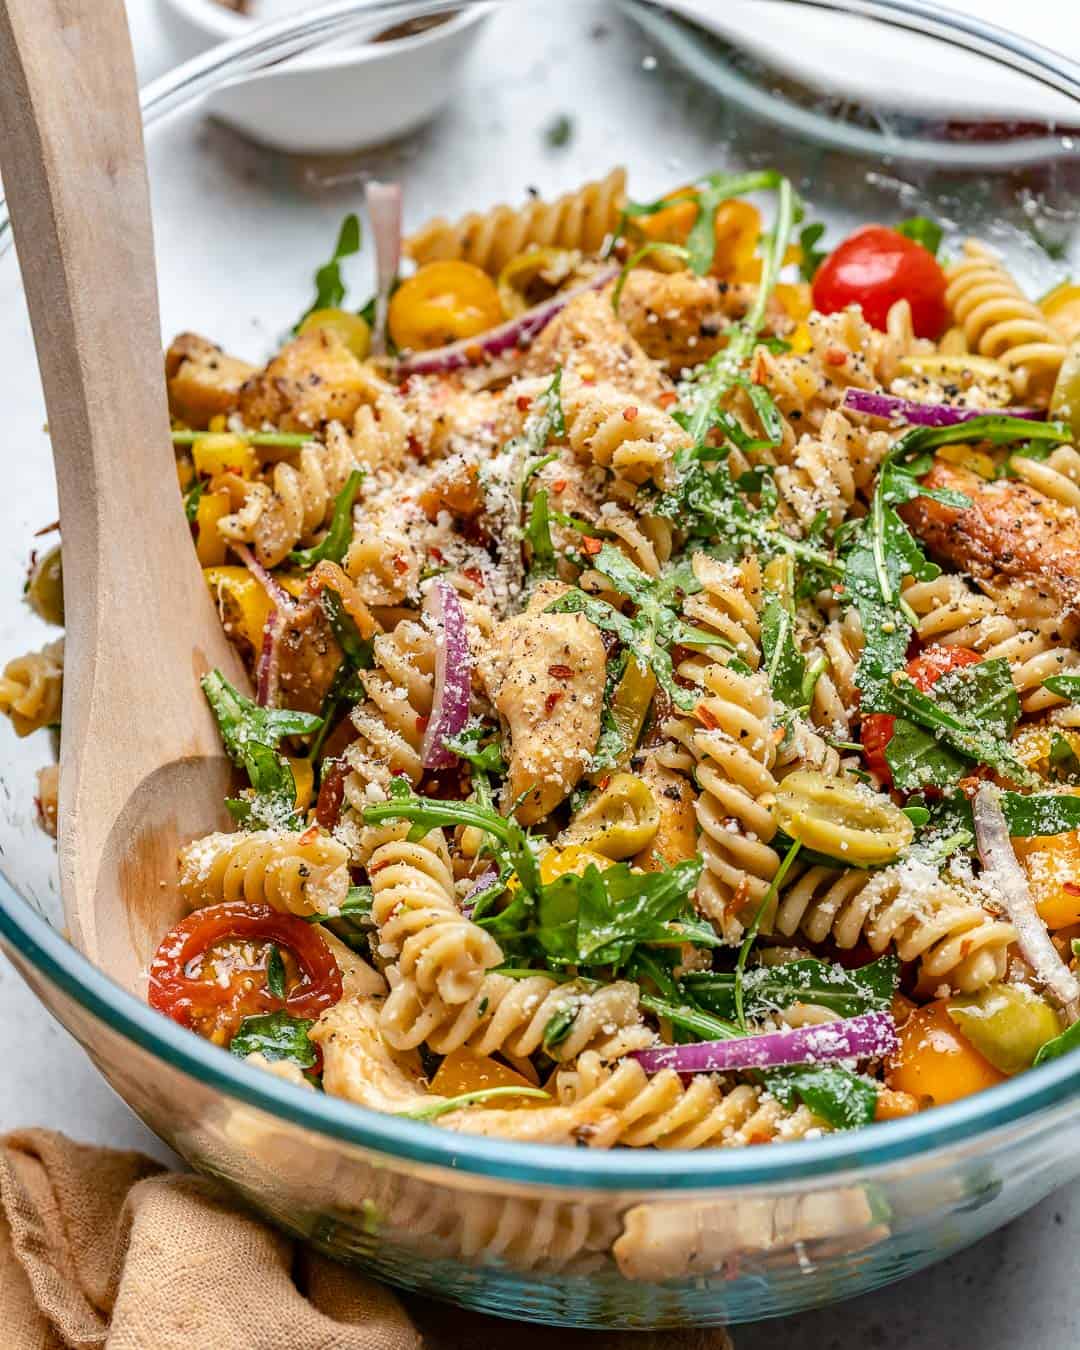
(141, 764)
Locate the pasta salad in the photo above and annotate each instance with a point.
(663, 636)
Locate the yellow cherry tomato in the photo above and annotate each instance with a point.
(619, 819)
(1052, 863)
(1007, 1024)
(45, 586)
(573, 860)
(242, 603)
(209, 545)
(1062, 308)
(1065, 400)
(219, 452)
(935, 1062)
(530, 277)
(352, 329)
(461, 1072)
(441, 303)
(845, 820)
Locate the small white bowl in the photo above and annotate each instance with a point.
(344, 97)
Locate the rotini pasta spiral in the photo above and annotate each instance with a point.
(417, 918)
(518, 1017)
(1057, 476)
(31, 689)
(999, 321)
(637, 441)
(390, 722)
(581, 219)
(296, 873)
(663, 1112)
(908, 909)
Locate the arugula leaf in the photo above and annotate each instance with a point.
(478, 746)
(335, 543)
(1066, 686)
(1063, 759)
(432, 1110)
(785, 665)
(655, 625)
(843, 1099)
(329, 287)
(971, 710)
(538, 537)
(1028, 815)
(1069, 1040)
(704, 1025)
(768, 989)
(812, 256)
(275, 973)
(610, 749)
(251, 736)
(924, 231)
(275, 1036)
(359, 651)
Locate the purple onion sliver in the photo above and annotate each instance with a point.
(496, 341)
(279, 597)
(488, 878)
(869, 1036)
(453, 676)
(894, 409)
(268, 667)
(384, 210)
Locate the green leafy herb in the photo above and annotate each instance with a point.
(785, 665)
(559, 1026)
(635, 260)
(769, 989)
(924, 231)
(329, 287)
(538, 537)
(611, 749)
(442, 1108)
(1029, 815)
(752, 931)
(1065, 686)
(251, 736)
(275, 1036)
(812, 256)
(275, 973)
(560, 132)
(359, 651)
(1060, 1045)
(335, 543)
(479, 746)
(843, 1099)
(704, 1025)
(1063, 760)
(656, 624)
(192, 498)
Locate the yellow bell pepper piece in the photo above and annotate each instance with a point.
(966, 457)
(461, 1072)
(1052, 863)
(209, 545)
(242, 603)
(574, 860)
(303, 772)
(221, 452)
(1062, 307)
(353, 330)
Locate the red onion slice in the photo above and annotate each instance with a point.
(453, 675)
(384, 210)
(486, 879)
(895, 409)
(279, 597)
(868, 1036)
(1011, 890)
(269, 664)
(515, 333)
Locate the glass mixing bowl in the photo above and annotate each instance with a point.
(922, 114)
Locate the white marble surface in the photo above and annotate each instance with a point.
(1016, 1289)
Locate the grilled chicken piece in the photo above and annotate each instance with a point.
(590, 343)
(203, 381)
(681, 319)
(308, 655)
(1021, 547)
(313, 380)
(545, 675)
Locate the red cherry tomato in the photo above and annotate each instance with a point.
(875, 267)
(925, 670)
(210, 970)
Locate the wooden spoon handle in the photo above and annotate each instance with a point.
(140, 625)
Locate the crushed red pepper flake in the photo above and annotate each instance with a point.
(591, 546)
(552, 699)
(560, 672)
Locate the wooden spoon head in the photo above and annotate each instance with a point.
(135, 898)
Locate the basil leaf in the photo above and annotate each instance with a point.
(335, 543)
(769, 989)
(478, 746)
(329, 287)
(924, 231)
(812, 257)
(192, 498)
(1066, 686)
(275, 1036)
(785, 665)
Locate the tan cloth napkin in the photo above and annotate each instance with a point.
(102, 1250)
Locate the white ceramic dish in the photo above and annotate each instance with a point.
(350, 95)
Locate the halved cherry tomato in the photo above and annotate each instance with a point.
(935, 1062)
(442, 303)
(210, 970)
(925, 670)
(875, 267)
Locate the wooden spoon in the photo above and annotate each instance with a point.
(141, 764)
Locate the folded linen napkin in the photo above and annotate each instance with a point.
(101, 1250)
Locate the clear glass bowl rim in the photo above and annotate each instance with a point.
(558, 1168)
